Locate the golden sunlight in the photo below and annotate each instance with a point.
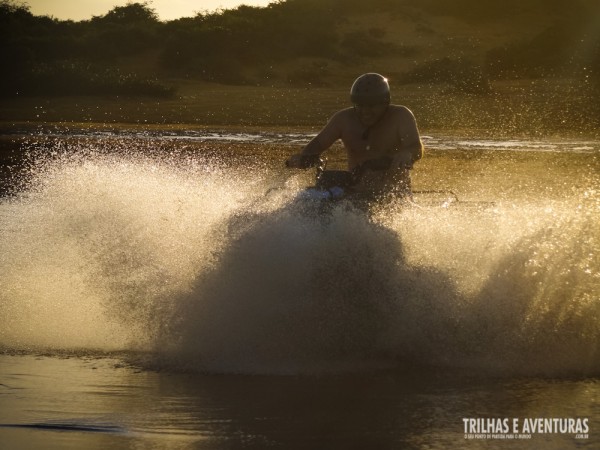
(166, 9)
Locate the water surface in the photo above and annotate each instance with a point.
(171, 292)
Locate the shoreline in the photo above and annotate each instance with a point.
(517, 108)
(21, 128)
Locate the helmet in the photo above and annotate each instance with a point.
(370, 89)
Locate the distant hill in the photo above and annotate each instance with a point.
(496, 65)
(464, 43)
(299, 42)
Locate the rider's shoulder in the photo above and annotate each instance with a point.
(343, 117)
(344, 114)
(400, 110)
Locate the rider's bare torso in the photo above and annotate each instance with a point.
(393, 133)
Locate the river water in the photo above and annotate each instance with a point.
(169, 290)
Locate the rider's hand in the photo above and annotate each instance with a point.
(403, 160)
(302, 161)
(295, 161)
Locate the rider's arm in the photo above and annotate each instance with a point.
(321, 142)
(411, 148)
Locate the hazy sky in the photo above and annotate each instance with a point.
(166, 9)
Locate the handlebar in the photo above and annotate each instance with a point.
(375, 164)
(326, 178)
(307, 161)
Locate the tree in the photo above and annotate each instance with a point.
(131, 13)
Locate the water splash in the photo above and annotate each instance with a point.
(185, 257)
(97, 237)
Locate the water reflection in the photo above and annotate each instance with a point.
(54, 402)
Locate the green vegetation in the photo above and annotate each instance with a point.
(51, 57)
(545, 54)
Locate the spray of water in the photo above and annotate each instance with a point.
(97, 245)
(187, 259)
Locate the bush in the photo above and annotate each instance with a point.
(366, 43)
(313, 74)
